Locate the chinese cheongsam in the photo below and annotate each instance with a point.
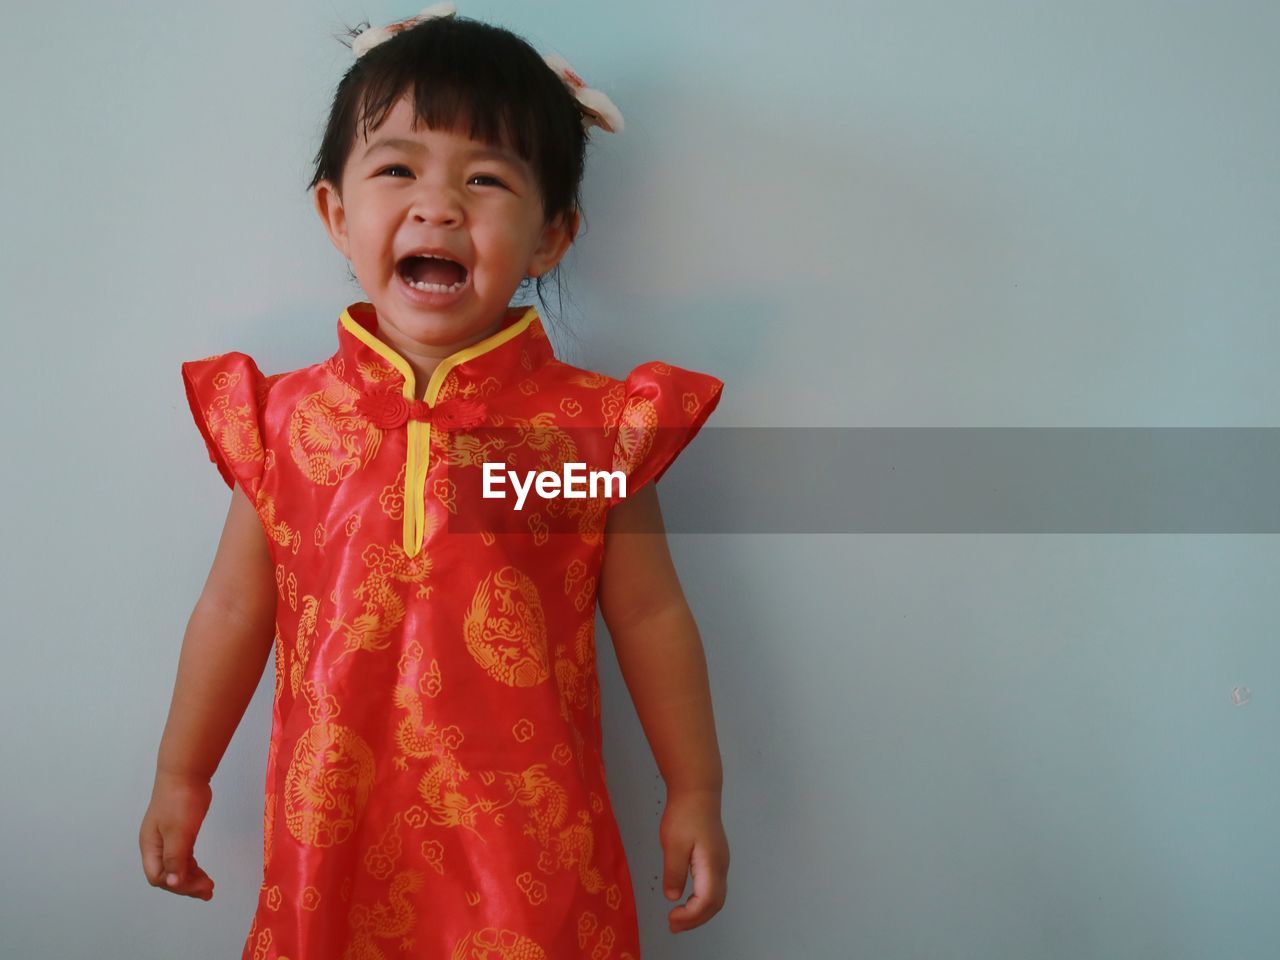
(435, 786)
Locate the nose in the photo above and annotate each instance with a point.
(437, 202)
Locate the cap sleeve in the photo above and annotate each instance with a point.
(226, 395)
(663, 408)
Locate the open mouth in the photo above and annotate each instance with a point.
(432, 274)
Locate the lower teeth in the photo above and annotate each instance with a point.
(436, 287)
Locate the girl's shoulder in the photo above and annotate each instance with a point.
(649, 416)
(238, 374)
(658, 382)
(669, 402)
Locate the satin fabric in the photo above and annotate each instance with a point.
(435, 786)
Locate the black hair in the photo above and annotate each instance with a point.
(463, 69)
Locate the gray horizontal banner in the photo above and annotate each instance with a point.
(975, 480)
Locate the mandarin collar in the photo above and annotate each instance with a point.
(510, 354)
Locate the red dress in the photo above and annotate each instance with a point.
(435, 786)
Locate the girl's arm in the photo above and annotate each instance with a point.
(657, 644)
(660, 655)
(227, 642)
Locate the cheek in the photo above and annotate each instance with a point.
(371, 238)
(497, 248)
(510, 238)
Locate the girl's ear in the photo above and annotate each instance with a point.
(334, 218)
(557, 237)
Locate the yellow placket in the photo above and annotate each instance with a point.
(418, 440)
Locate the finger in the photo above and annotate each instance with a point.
(688, 914)
(704, 901)
(177, 858)
(197, 883)
(150, 845)
(675, 870)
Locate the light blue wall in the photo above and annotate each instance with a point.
(856, 214)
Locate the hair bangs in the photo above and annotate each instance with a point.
(486, 112)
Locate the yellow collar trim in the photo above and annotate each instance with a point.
(419, 431)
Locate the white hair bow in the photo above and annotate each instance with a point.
(375, 35)
(597, 109)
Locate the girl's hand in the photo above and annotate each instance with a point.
(692, 837)
(168, 835)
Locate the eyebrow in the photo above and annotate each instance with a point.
(413, 146)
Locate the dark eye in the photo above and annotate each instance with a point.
(485, 176)
(396, 167)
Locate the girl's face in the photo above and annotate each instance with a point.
(440, 190)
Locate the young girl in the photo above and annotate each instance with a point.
(435, 784)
